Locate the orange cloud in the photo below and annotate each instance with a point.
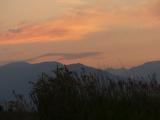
(72, 26)
(77, 23)
(155, 9)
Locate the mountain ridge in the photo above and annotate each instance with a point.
(16, 76)
(140, 72)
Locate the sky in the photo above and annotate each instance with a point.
(99, 33)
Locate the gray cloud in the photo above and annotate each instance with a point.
(17, 30)
(67, 56)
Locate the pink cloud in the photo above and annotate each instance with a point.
(77, 23)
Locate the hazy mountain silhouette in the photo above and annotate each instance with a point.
(141, 72)
(17, 75)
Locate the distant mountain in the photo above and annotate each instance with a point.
(141, 72)
(16, 76)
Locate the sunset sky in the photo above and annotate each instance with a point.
(99, 33)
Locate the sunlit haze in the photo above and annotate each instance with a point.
(99, 33)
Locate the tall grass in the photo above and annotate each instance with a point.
(68, 96)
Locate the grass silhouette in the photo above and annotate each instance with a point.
(68, 96)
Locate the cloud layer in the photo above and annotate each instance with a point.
(72, 26)
(65, 56)
(78, 22)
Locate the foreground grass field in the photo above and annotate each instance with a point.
(17, 116)
(88, 97)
